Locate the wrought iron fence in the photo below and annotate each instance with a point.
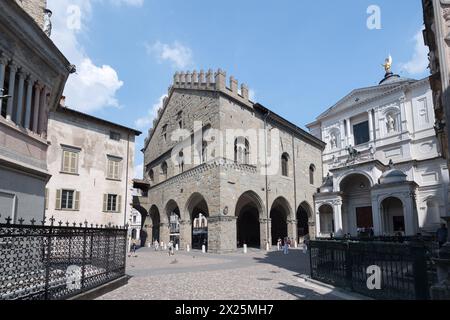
(52, 262)
(404, 271)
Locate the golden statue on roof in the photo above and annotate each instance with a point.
(388, 64)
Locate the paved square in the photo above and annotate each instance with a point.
(256, 275)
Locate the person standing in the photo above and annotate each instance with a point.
(286, 246)
(279, 244)
(442, 235)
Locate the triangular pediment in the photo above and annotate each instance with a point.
(362, 95)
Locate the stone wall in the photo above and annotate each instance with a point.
(35, 8)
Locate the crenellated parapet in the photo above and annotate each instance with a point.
(208, 81)
(211, 81)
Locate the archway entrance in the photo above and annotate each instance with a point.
(198, 210)
(303, 214)
(173, 214)
(357, 215)
(393, 216)
(326, 220)
(279, 214)
(155, 224)
(248, 212)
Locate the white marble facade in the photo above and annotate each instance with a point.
(383, 165)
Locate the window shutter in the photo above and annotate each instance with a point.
(77, 201)
(58, 200)
(105, 202)
(66, 161)
(74, 163)
(119, 204)
(117, 170)
(110, 169)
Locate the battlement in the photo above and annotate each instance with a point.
(211, 81)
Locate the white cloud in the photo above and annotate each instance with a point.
(92, 87)
(179, 55)
(147, 121)
(138, 171)
(419, 61)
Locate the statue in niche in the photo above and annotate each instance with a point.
(390, 122)
(333, 141)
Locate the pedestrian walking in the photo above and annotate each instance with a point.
(279, 244)
(286, 246)
(156, 245)
(442, 235)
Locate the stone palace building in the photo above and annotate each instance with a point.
(383, 163)
(213, 154)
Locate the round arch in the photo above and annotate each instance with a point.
(355, 173)
(303, 216)
(173, 217)
(393, 215)
(280, 213)
(198, 211)
(249, 210)
(326, 219)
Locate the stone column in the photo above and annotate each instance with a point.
(337, 215)
(377, 218)
(164, 233)
(12, 84)
(371, 129)
(318, 223)
(19, 111)
(349, 133)
(292, 230)
(342, 130)
(222, 234)
(265, 232)
(36, 111)
(28, 102)
(3, 62)
(185, 234)
(42, 112)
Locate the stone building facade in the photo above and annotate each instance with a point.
(33, 73)
(92, 166)
(215, 153)
(383, 164)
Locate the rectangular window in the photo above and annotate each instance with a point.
(114, 136)
(70, 161)
(67, 200)
(114, 168)
(361, 133)
(111, 202)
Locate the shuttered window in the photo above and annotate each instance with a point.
(67, 200)
(70, 161)
(112, 203)
(114, 168)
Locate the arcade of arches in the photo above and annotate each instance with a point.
(191, 225)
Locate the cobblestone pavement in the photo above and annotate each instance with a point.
(256, 275)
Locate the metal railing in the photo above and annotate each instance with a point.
(48, 262)
(404, 270)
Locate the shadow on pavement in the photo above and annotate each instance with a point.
(295, 261)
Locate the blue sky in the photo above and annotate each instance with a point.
(297, 57)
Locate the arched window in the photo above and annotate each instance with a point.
(241, 151)
(284, 165)
(181, 161)
(312, 171)
(164, 169)
(151, 175)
